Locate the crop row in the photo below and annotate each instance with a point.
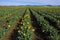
(10, 22)
(46, 28)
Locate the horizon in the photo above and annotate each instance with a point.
(29, 2)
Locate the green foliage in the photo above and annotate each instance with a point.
(48, 18)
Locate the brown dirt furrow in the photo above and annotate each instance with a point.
(38, 34)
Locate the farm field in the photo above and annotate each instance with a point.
(29, 23)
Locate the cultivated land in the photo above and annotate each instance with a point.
(29, 23)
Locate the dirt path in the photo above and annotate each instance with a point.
(38, 34)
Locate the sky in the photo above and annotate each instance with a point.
(29, 2)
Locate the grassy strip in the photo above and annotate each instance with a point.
(47, 30)
(10, 26)
(25, 31)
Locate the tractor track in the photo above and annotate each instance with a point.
(39, 35)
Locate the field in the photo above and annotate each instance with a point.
(29, 23)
